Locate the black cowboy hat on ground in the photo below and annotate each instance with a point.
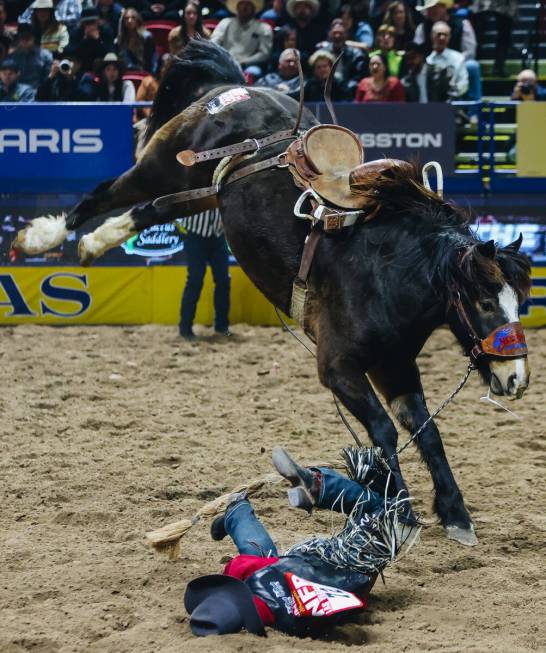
(219, 605)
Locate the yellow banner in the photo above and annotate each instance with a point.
(140, 295)
(531, 144)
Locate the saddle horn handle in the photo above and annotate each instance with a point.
(439, 177)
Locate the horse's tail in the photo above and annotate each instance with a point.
(202, 65)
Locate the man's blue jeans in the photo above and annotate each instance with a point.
(201, 251)
(337, 493)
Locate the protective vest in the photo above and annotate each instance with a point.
(307, 596)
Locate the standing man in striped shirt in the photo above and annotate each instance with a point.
(205, 245)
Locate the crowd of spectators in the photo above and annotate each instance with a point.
(108, 50)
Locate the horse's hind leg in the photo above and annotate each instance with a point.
(401, 386)
(345, 377)
(117, 230)
(47, 232)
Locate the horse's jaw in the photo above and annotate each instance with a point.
(509, 378)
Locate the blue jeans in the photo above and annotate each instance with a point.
(201, 251)
(337, 493)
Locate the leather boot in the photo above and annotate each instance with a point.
(305, 483)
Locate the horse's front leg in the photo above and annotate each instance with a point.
(401, 386)
(345, 377)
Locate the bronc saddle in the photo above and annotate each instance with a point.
(328, 163)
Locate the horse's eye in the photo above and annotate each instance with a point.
(487, 305)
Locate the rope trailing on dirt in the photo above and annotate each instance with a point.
(166, 540)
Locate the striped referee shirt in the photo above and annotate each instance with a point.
(206, 224)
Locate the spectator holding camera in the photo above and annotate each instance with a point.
(52, 34)
(527, 88)
(11, 90)
(65, 83)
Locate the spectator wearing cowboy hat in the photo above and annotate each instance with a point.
(33, 62)
(463, 40)
(245, 37)
(52, 34)
(111, 86)
(66, 11)
(65, 82)
(310, 31)
(11, 90)
(91, 41)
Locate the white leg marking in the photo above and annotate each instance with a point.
(41, 234)
(110, 234)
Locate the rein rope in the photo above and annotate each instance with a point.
(471, 367)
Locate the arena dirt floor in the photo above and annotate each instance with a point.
(108, 432)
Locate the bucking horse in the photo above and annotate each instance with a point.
(379, 262)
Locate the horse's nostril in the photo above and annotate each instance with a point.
(511, 385)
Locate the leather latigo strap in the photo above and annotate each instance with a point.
(308, 255)
(190, 158)
(506, 341)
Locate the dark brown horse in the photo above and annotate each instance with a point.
(377, 289)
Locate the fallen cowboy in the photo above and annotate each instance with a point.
(319, 583)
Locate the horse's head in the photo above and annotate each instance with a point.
(484, 315)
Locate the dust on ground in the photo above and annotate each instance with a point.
(108, 432)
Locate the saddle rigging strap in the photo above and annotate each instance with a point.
(190, 158)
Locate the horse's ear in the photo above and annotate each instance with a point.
(487, 249)
(514, 247)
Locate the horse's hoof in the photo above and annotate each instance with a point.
(41, 234)
(465, 536)
(85, 255)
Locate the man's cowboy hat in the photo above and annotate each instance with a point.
(110, 58)
(42, 4)
(219, 605)
(315, 6)
(432, 3)
(232, 5)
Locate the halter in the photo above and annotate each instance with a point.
(507, 341)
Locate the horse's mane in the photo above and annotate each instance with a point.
(202, 65)
(458, 259)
